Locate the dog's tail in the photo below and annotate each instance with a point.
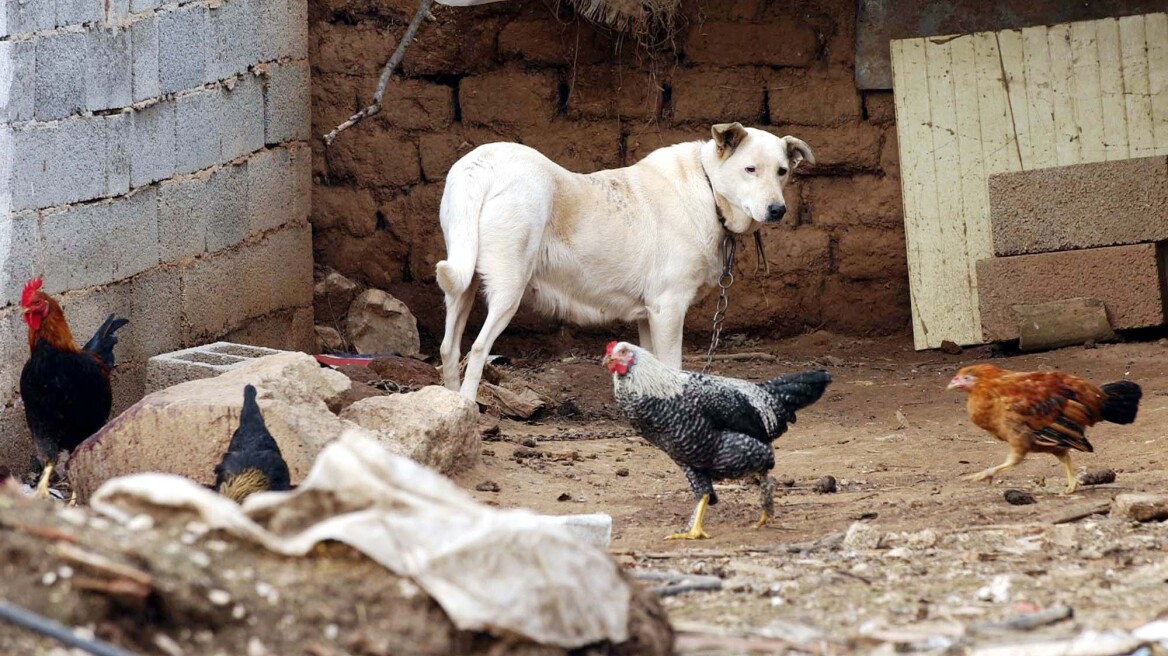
(462, 202)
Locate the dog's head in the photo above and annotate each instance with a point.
(749, 168)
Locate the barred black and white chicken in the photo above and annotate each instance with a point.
(714, 428)
(253, 462)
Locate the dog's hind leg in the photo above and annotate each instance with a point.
(645, 335)
(500, 310)
(458, 307)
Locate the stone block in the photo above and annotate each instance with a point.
(20, 250)
(98, 243)
(58, 163)
(152, 146)
(225, 197)
(144, 58)
(1125, 278)
(1081, 206)
(17, 81)
(182, 44)
(196, 130)
(287, 110)
(199, 362)
(76, 12)
(119, 143)
(60, 74)
(240, 118)
(785, 42)
(232, 44)
(109, 80)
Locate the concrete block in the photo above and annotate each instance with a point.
(212, 296)
(58, 163)
(156, 303)
(138, 6)
(116, 11)
(268, 186)
(1057, 324)
(27, 16)
(99, 243)
(287, 105)
(13, 350)
(109, 80)
(20, 251)
(152, 146)
(240, 118)
(182, 44)
(119, 141)
(232, 43)
(60, 75)
(226, 201)
(289, 329)
(199, 362)
(17, 81)
(196, 130)
(144, 46)
(182, 218)
(1125, 278)
(283, 29)
(1080, 206)
(300, 193)
(16, 449)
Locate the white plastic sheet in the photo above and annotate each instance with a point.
(504, 571)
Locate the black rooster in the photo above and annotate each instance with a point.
(253, 462)
(714, 428)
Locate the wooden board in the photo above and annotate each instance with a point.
(970, 106)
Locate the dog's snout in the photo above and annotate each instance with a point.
(775, 211)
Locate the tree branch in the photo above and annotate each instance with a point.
(386, 73)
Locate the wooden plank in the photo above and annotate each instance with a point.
(910, 79)
(1039, 98)
(972, 183)
(1087, 100)
(1062, 78)
(1156, 34)
(1115, 144)
(1000, 150)
(1013, 64)
(1137, 101)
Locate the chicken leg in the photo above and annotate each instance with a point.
(42, 488)
(1065, 458)
(1012, 460)
(767, 490)
(695, 531)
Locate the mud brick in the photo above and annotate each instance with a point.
(600, 92)
(717, 95)
(511, 97)
(1125, 278)
(800, 98)
(785, 42)
(872, 254)
(579, 148)
(640, 144)
(1081, 206)
(841, 149)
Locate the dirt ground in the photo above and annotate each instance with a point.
(898, 445)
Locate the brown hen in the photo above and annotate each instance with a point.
(1042, 411)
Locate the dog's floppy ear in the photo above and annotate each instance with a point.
(727, 136)
(797, 151)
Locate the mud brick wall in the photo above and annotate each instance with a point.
(155, 165)
(518, 71)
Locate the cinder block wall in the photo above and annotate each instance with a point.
(518, 71)
(154, 164)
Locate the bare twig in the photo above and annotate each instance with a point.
(57, 631)
(1082, 512)
(1025, 622)
(386, 74)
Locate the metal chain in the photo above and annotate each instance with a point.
(729, 245)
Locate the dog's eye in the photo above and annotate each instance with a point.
(750, 169)
(782, 171)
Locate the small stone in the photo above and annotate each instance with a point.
(922, 539)
(998, 591)
(564, 496)
(862, 536)
(529, 443)
(487, 486)
(951, 348)
(1097, 477)
(219, 597)
(526, 452)
(1141, 507)
(787, 481)
(1018, 497)
(825, 485)
(623, 471)
(380, 323)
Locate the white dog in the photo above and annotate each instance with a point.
(629, 244)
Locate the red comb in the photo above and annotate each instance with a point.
(30, 289)
(611, 346)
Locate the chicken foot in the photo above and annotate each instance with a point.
(42, 488)
(1072, 484)
(695, 531)
(766, 486)
(1012, 461)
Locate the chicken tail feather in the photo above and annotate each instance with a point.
(103, 341)
(1121, 400)
(800, 390)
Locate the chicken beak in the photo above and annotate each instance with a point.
(605, 360)
(953, 384)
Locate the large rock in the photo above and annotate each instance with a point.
(329, 340)
(332, 294)
(1141, 507)
(379, 323)
(185, 429)
(434, 426)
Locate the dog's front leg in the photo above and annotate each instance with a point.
(665, 325)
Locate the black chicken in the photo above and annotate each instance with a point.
(253, 462)
(714, 428)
